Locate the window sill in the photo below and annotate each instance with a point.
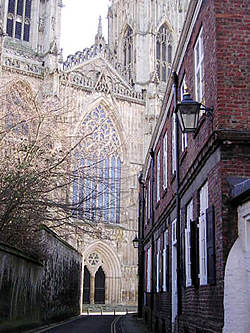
(173, 176)
(165, 191)
(183, 155)
(202, 120)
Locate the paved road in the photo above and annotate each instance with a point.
(90, 324)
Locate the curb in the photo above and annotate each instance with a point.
(49, 326)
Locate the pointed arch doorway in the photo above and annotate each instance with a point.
(86, 286)
(99, 297)
(105, 274)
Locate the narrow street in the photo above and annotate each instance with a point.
(90, 324)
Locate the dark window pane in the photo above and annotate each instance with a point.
(164, 51)
(158, 53)
(164, 72)
(26, 33)
(125, 57)
(129, 54)
(118, 190)
(18, 32)
(20, 7)
(11, 8)
(10, 27)
(169, 53)
(28, 8)
(158, 71)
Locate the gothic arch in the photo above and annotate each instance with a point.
(110, 264)
(97, 167)
(164, 52)
(21, 86)
(114, 117)
(110, 261)
(161, 23)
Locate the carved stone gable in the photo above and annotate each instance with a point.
(98, 75)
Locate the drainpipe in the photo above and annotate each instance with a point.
(152, 237)
(177, 203)
(141, 221)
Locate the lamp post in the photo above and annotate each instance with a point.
(136, 242)
(187, 116)
(189, 113)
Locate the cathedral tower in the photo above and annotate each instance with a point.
(32, 28)
(144, 36)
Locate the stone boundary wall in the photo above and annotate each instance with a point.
(32, 292)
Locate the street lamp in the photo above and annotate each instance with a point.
(189, 113)
(136, 242)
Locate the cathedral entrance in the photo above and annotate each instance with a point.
(100, 286)
(86, 286)
(104, 273)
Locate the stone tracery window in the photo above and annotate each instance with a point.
(97, 173)
(18, 19)
(128, 52)
(163, 52)
(93, 259)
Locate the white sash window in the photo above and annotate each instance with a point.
(202, 234)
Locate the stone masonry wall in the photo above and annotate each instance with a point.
(33, 293)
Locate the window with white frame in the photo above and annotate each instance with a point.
(202, 234)
(184, 137)
(173, 144)
(174, 235)
(189, 218)
(158, 179)
(148, 270)
(165, 161)
(199, 68)
(165, 261)
(158, 262)
(149, 199)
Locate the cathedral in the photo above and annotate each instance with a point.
(120, 83)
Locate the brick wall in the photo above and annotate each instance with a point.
(219, 149)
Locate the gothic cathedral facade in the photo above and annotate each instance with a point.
(121, 80)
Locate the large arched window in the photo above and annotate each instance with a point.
(97, 170)
(128, 53)
(163, 53)
(18, 19)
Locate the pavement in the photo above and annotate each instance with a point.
(130, 323)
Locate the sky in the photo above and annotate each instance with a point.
(80, 22)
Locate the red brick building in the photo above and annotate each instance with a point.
(187, 239)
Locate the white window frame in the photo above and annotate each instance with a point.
(158, 175)
(158, 272)
(164, 255)
(173, 144)
(165, 161)
(189, 219)
(149, 199)
(149, 270)
(184, 137)
(203, 234)
(199, 68)
(174, 235)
